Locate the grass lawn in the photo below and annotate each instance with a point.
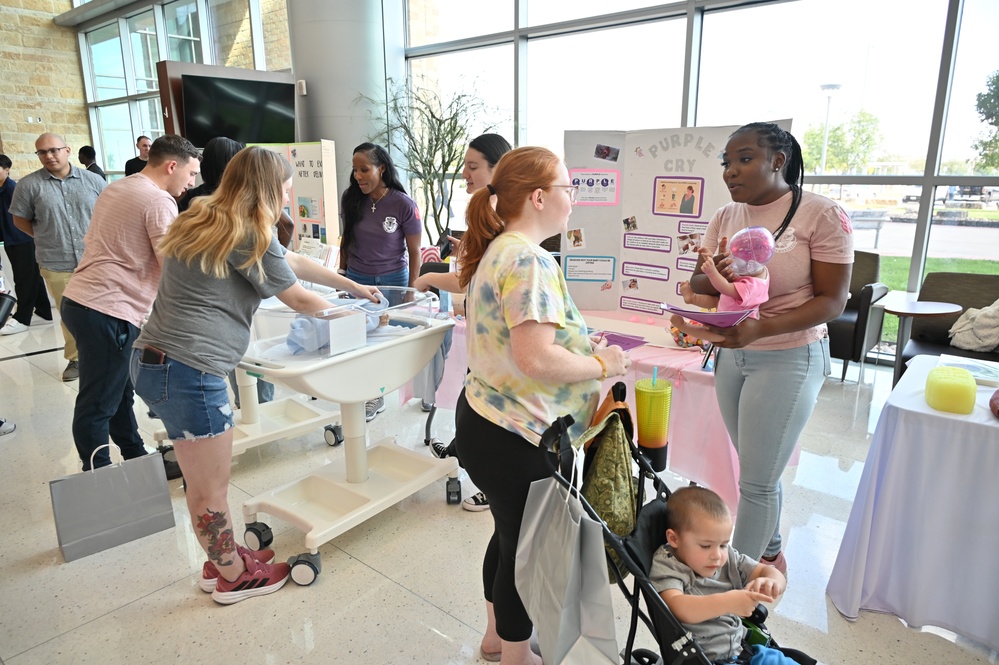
(895, 275)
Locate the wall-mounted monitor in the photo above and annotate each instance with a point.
(243, 110)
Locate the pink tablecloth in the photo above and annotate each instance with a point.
(699, 447)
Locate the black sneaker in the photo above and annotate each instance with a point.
(439, 450)
(476, 503)
(170, 464)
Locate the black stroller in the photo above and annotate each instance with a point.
(635, 552)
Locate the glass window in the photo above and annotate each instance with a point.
(232, 42)
(616, 79)
(150, 120)
(432, 21)
(540, 12)
(183, 31)
(277, 40)
(873, 90)
(971, 141)
(488, 75)
(107, 64)
(145, 51)
(114, 125)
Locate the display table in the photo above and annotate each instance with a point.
(700, 449)
(921, 539)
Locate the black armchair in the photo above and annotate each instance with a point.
(858, 329)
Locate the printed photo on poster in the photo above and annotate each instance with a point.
(678, 197)
(606, 152)
(688, 242)
(629, 285)
(630, 224)
(575, 238)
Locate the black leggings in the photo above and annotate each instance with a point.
(503, 465)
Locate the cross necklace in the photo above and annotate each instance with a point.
(375, 202)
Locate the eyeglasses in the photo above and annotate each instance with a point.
(573, 191)
(51, 152)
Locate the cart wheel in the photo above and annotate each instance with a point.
(305, 568)
(453, 490)
(257, 536)
(333, 435)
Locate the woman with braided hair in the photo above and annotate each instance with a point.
(769, 370)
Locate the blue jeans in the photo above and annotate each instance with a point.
(192, 404)
(265, 390)
(765, 398)
(400, 278)
(104, 404)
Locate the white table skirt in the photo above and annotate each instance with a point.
(923, 535)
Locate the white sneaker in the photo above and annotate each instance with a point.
(6, 427)
(13, 327)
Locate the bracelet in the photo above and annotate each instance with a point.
(603, 367)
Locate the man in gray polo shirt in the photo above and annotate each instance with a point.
(53, 205)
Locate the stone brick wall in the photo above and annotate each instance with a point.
(40, 77)
(232, 39)
(277, 42)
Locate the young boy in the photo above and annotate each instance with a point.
(708, 585)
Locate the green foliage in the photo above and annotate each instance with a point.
(987, 104)
(431, 132)
(849, 149)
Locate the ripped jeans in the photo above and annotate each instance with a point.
(192, 404)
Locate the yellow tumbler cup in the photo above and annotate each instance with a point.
(652, 407)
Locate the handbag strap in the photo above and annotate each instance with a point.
(556, 440)
(106, 445)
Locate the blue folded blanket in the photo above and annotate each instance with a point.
(309, 335)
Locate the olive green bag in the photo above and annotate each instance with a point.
(609, 485)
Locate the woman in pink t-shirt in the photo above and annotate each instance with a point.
(769, 370)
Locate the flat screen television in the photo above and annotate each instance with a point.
(245, 111)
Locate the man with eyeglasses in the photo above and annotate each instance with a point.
(53, 205)
(136, 164)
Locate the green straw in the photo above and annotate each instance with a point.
(655, 373)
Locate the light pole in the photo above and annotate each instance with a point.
(829, 89)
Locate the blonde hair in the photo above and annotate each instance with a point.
(689, 503)
(242, 211)
(517, 174)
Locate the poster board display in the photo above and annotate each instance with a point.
(645, 199)
(314, 199)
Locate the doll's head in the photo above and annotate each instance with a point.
(751, 248)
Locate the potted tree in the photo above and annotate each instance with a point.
(430, 132)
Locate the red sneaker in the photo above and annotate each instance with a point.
(210, 574)
(259, 579)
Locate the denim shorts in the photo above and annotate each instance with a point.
(192, 404)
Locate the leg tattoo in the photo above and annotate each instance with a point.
(221, 545)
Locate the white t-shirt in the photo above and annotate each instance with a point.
(819, 231)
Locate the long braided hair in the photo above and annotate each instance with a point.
(774, 139)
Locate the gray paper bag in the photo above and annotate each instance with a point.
(100, 509)
(561, 576)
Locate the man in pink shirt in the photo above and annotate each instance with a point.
(113, 289)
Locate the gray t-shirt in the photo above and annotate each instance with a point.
(59, 211)
(721, 637)
(204, 322)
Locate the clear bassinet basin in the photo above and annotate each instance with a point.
(283, 336)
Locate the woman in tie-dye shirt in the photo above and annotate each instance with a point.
(530, 361)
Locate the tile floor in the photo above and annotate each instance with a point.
(401, 588)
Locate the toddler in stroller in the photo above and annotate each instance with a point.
(709, 586)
